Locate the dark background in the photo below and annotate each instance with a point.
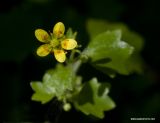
(135, 95)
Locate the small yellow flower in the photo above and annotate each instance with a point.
(54, 42)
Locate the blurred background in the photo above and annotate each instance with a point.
(135, 95)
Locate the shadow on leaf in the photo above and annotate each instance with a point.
(86, 95)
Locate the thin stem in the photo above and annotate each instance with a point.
(72, 55)
(76, 65)
(71, 58)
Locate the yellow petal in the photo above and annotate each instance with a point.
(59, 29)
(41, 35)
(60, 55)
(69, 44)
(43, 50)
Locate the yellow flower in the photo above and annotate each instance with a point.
(55, 42)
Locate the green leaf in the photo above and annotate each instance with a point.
(93, 99)
(95, 27)
(60, 79)
(134, 63)
(42, 92)
(71, 34)
(107, 50)
(56, 82)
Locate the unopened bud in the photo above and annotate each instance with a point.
(67, 106)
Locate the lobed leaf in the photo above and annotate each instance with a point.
(60, 79)
(134, 63)
(107, 50)
(93, 99)
(42, 92)
(55, 83)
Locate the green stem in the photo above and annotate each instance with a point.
(71, 58)
(76, 65)
(72, 55)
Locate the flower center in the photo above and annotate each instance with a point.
(54, 43)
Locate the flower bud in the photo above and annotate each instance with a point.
(67, 106)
